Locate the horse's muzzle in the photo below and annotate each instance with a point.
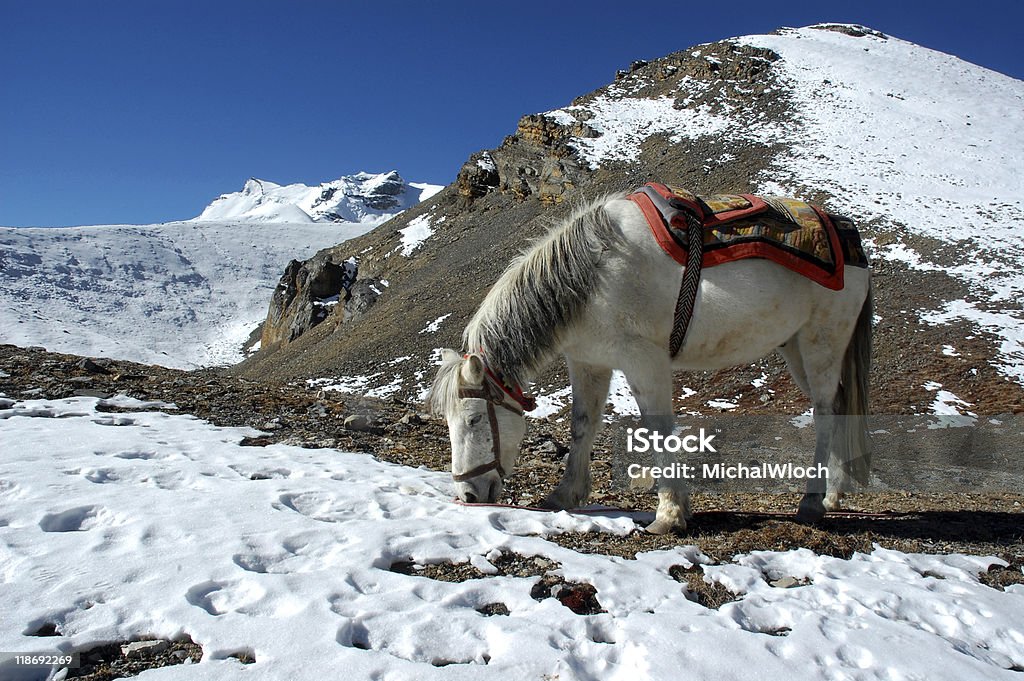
(483, 489)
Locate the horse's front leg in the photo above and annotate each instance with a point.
(589, 393)
(652, 388)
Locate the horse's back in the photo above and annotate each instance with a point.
(743, 311)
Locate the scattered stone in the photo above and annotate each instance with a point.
(492, 609)
(48, 629)
(137, 649)
(786, 582)
(781, 631)
(93, 366)
(363, 424)
(412, 419)
(711, 595)
(580, 598)
(244, 656)
(131, 658)
(549, 448)
(259, 441)
(999, 577)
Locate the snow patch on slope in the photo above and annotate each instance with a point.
(415, 233)
(919, 141)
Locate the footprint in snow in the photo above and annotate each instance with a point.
(218, 598)
(78, 519)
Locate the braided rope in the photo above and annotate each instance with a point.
(691, 281)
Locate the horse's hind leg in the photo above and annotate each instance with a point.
(817, 374)
(589, 394)
(651, 383)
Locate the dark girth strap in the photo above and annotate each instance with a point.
(691, 281)
(675, 209)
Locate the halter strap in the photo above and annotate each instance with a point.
(495, 393)
(492, 420)
(525, 402)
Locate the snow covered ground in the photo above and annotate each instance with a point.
(121, 525)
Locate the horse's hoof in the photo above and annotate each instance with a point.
(834, 501)
(665, 527)
(552, 504)
(809, 515)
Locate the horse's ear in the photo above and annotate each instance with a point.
(473, 369)
(448, 356)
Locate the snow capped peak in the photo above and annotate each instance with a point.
(853, 30)
(360, 198)
(256, 187)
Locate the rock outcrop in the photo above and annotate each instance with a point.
(303, 298)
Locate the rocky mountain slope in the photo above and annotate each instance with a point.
(180, 294)
(921, 148)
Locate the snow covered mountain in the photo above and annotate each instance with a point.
(360, 198)
(920, 148)
(180, 294)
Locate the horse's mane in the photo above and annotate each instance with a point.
(541, 294)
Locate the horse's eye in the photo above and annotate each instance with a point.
(475, 419)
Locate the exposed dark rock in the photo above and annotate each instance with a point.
(131, 658)
(384, 194)
(477, 177)
(492, 609)
(46, 630)
(709, 594)
(363, 423)
(93, 366)
(302, 298)
(854, 30)
(580, 598)
(362, 296)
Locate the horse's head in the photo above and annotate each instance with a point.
(485, 424)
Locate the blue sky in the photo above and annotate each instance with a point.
(141, 112)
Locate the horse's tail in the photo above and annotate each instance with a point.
(850, 406)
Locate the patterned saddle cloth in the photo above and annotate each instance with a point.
(795, 234)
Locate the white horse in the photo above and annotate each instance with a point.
(599, 290)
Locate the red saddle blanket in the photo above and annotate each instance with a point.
(795, 234)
